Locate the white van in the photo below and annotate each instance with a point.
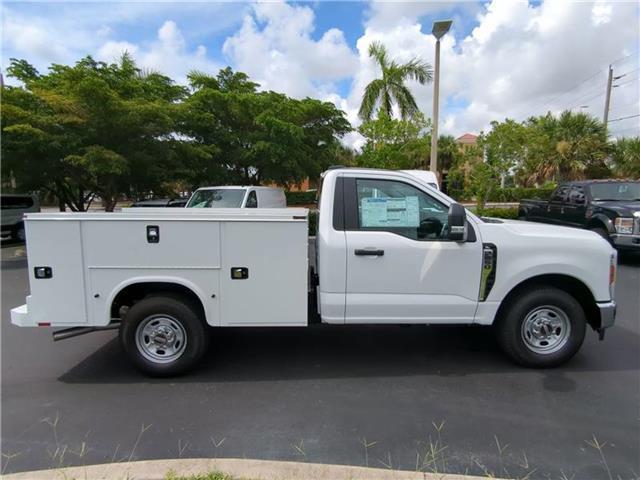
(237, 197)
(425, 176)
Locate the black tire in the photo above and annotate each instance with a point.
(516, 339)
(178, 317)
(602, 232)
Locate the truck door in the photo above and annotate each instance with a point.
(557, 204)
(401, 267)
(576, 207)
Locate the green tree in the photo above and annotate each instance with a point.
(90, 129)
(448, 152)
(504, 146)
(394, 144)
(626, 157)
(251, 137)
(383, 92)
(568, 147)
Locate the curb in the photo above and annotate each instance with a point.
(237, 468)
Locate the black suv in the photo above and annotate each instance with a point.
(610, 208)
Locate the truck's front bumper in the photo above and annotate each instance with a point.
(626, 242)
(607, 314)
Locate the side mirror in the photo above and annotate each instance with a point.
(457, 223)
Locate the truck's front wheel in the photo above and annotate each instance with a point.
(163, 336)
(542, 327)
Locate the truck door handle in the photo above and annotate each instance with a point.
(370, 252)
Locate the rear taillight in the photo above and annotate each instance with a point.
(612, 274)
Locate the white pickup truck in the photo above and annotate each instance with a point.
(390, 250)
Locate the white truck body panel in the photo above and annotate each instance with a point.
(93, 256)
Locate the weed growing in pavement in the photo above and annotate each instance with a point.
(431, 456)
(7, 457)
(216, 445)
(143, 429)
(367, 446)
(299, 448)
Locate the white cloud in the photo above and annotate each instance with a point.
(112, 50)
(168, 54)
(275, 47)
(63, 32)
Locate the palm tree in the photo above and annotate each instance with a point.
(383, 92)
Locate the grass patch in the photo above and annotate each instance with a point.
(171, 475)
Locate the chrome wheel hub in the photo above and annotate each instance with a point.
(546, 329)
(161, 338)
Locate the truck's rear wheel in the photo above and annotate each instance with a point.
(163, 336)
(543, 327)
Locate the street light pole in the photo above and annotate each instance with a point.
(436, 106)
(440, 28)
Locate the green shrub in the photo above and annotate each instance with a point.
(516, 194)
(301, 198)
(508, 213)
(506, 195)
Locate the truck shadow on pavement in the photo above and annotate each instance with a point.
(325, 352)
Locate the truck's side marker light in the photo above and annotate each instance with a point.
(488, 276)
(42, 272)
(44, 324)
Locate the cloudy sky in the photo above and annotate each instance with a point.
(502, 58)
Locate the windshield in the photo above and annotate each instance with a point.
(217, 198)
(618, 191)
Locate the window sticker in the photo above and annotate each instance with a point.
(390, 212)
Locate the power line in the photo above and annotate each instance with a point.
(582, 100)
(625, 118)
(626, 83)
(565, 91)
(536, 108)
(625, 57)
(634, 107)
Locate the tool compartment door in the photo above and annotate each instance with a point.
(273, 259)
(59, 300)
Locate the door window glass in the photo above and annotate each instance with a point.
(252, 200)
(560, 195)
(576, 196)
(397, 207)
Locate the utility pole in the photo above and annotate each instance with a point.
(607, 98)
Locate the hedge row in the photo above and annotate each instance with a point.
(509, 213)
(514, 194)
(301, 198)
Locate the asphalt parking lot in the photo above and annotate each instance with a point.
(442, 398)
